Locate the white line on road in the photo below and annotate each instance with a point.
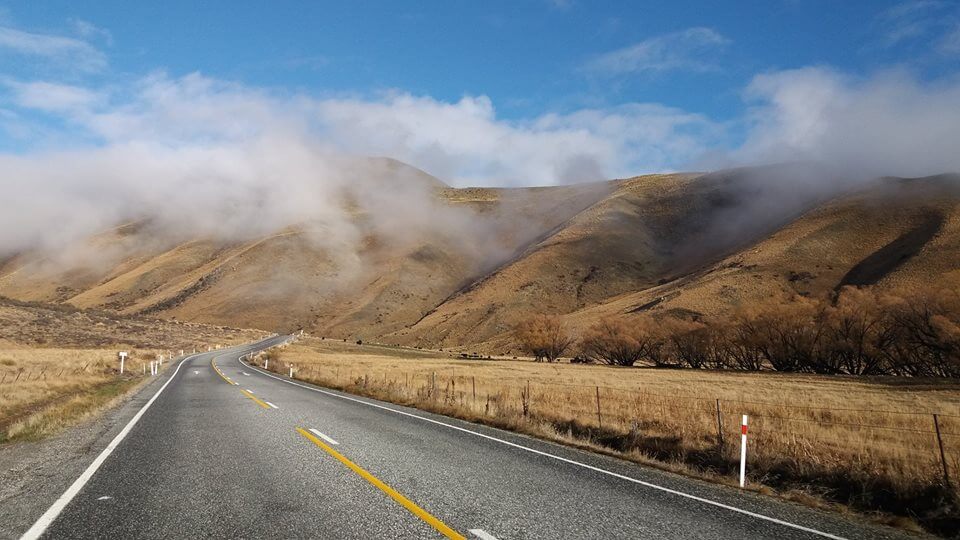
(482, 534)
(51, 514)
(271, 404)
(245, 373)
(249, 390)
(322, 436)
(558, 458)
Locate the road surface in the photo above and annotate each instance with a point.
(225, 450)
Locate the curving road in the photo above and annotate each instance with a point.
(227, 450)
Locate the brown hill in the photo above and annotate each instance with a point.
(450, 267)
(891, 233)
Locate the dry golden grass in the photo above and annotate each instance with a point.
(43, 390)
(58, 365)
(865, 442)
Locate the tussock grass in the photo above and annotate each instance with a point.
(43, 390)
(865, 443)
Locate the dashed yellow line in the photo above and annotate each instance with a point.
(220, 373)
(440, 526)
(255, 400)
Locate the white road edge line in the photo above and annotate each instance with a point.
(53, 512)
(271, 404)
(249, 390)
(48, 517)
(558, 458)
(322, 436)
(482, 534)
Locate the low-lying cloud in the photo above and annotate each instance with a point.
(888, 124)
(196, 156)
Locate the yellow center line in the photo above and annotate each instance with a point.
(255, 400)
(220, 373)
(440, 526)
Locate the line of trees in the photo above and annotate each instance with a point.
(856, 332)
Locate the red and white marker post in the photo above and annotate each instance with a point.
(743, 451)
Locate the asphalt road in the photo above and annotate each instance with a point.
(226, 450)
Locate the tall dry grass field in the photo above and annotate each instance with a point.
(42, 390)
(866, 442)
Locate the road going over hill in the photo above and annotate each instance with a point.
(225, 450)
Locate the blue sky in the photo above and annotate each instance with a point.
(613, 88)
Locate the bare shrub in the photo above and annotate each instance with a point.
(694, 344)
(543, 336)
(857, 331)
(617, 341)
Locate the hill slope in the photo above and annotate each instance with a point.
(451, 267)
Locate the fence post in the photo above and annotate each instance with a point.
(719, 426)
(943, 458)
(599, 417)
(473, 380)
(743, 451)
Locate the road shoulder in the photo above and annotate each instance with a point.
(34, 473)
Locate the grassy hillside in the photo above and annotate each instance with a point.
(462, 268)
(895, 233)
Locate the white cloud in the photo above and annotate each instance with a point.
(67, 52)
(888, 124)
(53, 97)
(463, 142)
(925, 26)
(90, 31)
(693, 49)
(909, 20)
(195, 156)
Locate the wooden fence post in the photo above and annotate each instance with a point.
(943, 458)
(719, 426)
(599, 416)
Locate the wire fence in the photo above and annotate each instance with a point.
(902, 448)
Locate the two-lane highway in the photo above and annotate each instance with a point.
(228, 450)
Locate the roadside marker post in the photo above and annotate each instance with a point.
(291, 372)
(123, 356)
(743, 451)
(266, 363)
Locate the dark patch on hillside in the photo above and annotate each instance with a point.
(891, 256)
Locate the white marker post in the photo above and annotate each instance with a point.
(123, 356)
(291, 372)
(266, 364)
(743, 451)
